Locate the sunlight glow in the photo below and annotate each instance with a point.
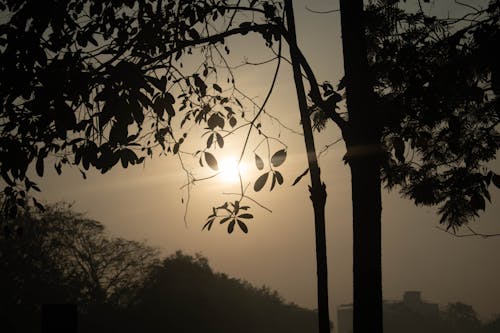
(229, 170)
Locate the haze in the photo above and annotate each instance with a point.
(149, 204)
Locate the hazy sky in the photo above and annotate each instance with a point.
(145, 204)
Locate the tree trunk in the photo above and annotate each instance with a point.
(317, 188)
(367, 273)
(362, 139)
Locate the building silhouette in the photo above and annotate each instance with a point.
(411, 314)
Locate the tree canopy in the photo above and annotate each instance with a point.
(92, 83)
(437, 85)
(61, 257)
(95, 84)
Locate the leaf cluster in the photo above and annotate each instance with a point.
(94, 84)
(233, 213)
(277, 159)
(61, 257)
(437, 91)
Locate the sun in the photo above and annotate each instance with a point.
(229, 171)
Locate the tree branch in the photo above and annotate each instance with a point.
(315, 94)
(472, 233)
(211, 39)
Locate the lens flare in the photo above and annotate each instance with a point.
(230, 171)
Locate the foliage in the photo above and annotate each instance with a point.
(437, 85)
(98, 83)
(62, 248)
(62, 257)
(93, 85)
(201, 300)
(493, 325)
(461, 317)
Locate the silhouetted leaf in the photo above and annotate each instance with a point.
(39, 166)
(278, 158)
(243, 226)
(258, 162)
(399, 149)
(208, 225)
(260, 182)
(477, 202)
(273, 182)
(210, 140)
(220, 140)
(496, 180)
(38, 205)
(230, 227)
(200, 85)
(118, 133)
(217, 87)
(193, 34)
(127, 156)
(214, 121)
(300, 177)
(170, 109)
(159, 106)
(245, 216)
(211, 161)
(157, 83)
(236, 207)
(487, 195)
(279, 177)
(232, 121)
(225, 219)
(58, 166)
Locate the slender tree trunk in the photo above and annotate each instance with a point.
(362, 139)
(317, 188)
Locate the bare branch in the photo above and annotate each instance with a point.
(472, 233)
(326, 147)
(249, 198)
(322, 12)
(467, 5)
(263, 103)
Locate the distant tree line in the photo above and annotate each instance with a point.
(61, 257)
(455, 317)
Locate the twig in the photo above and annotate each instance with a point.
(263, 103)
(249, 198)
(467, 5)
(322, 12)
(326, 147)
(472, 234)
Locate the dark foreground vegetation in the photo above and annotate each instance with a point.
(117, 285)
(413, 315)
(455, 317)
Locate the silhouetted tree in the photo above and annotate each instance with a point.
(461, 318)
(423, 109)
(492, 326)
(101, 78)
(93, 84)
(183, 294)
(60, 256)
(30, 276)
